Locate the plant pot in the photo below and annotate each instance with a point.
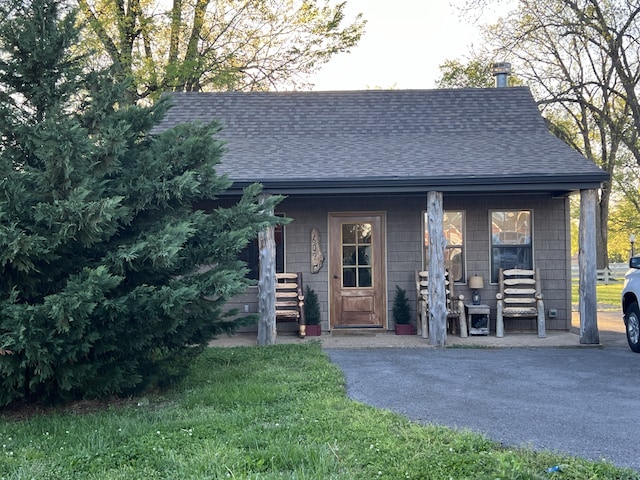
(405, 329)
(314, 330)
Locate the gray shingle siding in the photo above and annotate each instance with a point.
(404, 246)
(551, 240)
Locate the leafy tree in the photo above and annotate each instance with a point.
(218, 44)
(477, 72)
(621, 224)
(625, 211)
(474, 74)
(107, 272)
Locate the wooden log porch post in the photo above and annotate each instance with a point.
(437, 293)
(267, 284)
(588, 303)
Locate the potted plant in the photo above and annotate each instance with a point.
(312, 312)
(402, 313)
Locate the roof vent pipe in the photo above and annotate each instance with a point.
(501, 71)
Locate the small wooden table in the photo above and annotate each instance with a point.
(478, 318)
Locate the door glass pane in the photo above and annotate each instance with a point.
(349, 255)
(364, 233)
(364, 277)
(364, 255)
(349, 233)
(357, 255)
(349, 277)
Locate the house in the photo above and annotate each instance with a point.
(359, 167)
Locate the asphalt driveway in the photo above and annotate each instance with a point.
(581, 401)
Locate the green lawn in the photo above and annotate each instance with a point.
(608, 295)
(261, 413)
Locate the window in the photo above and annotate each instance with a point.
(511, 243)
(251, 254)
(453, 224)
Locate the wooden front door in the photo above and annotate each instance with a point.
(357, 270)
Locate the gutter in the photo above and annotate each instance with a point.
(557, 184)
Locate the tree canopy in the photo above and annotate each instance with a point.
(109, 277)
(474, 74)
(193, 45)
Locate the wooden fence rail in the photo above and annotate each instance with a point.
(614, 273)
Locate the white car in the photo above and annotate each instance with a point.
(630, 302)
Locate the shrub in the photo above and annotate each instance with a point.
(311, 307)
(401, 308)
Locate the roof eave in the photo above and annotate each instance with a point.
(556, 184)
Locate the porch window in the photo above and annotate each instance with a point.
(453, 226)
(251, 254)
(511, 241)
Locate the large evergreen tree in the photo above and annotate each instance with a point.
(107, 272)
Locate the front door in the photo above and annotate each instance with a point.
(357, 270)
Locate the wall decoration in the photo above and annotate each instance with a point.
(317, 258)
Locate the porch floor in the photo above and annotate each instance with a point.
(610, 326)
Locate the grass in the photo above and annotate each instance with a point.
(608, 295)
(262, 413)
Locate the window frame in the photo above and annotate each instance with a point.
(251, 253)
(524, 247)
(462, 278)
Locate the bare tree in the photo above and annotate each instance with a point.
(581, 59)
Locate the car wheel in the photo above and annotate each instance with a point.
(632, 322)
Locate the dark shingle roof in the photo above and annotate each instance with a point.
(397, 140)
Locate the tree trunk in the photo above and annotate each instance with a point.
(588, 302)
(437, 293)
(267, 286)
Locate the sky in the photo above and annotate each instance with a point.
(404, 43)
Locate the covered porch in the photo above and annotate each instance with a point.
(402, 214)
